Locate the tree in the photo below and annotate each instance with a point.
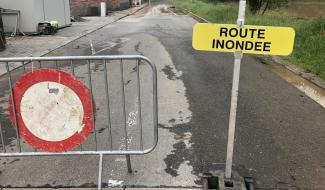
(261, 6)
(255, 5)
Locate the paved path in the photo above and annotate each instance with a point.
(34, 46)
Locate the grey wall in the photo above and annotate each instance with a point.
(35, 11)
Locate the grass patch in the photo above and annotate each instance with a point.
(309, 50)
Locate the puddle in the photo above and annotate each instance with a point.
(158, 10)
(310, 89)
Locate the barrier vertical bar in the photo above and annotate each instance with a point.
(234, 96)
(2, 140)
(108, 106)
(139, 104)
(72, 67)
(73, 73)
(128, 159)
(24, 66)
(92, 103)
(13, 101)
(100, 171)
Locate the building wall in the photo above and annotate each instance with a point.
(92, 7)
(33, 12)
(118, 4)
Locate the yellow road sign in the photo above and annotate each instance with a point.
(246, 39)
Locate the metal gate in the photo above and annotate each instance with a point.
(124, 88)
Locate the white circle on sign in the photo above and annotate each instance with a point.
(52, 111)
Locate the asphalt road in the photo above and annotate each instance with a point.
(280, 133)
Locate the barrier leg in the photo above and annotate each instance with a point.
(100, 171)
(128, 163)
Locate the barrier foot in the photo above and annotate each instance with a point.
(215, 180)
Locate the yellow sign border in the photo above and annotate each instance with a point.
(274, 40)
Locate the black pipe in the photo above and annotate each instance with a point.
(2, 33)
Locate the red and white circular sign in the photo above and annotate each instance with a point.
(53, 110)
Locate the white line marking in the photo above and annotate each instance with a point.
(129, 140)
(132, 118)
(114, 183)
(105, 45)
(93, 51)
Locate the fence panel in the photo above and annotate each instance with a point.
(123, 90)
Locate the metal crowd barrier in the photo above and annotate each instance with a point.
(89, 69)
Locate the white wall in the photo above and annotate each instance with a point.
(35, 11)
(31, 14)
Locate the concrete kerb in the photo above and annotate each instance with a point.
(275, 59)
(299, 71)
(196, 17)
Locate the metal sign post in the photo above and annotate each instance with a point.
(234, 96)
(239, 39)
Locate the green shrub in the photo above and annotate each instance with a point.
(309, 50)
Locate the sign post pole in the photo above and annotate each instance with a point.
(239, 39)
(234, 96)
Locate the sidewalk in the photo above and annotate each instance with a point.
(37, 46)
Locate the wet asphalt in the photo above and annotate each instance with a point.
(280, 133)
